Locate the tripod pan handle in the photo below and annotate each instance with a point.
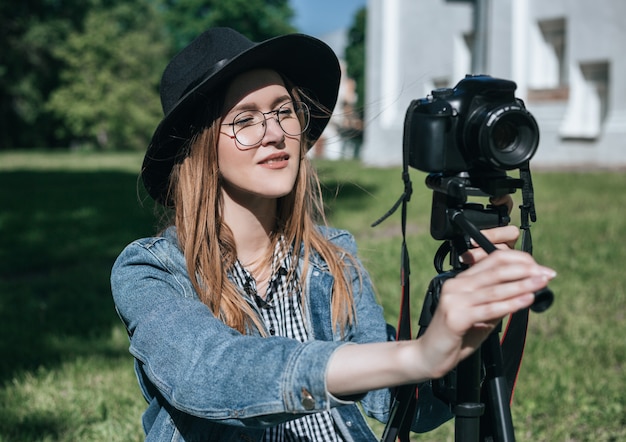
(543, 300)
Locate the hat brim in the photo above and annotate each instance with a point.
(307, 62)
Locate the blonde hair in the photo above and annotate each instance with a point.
(208, 244)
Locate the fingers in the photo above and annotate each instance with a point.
(502, 237)
(502, 267)
(501, 284)
(505, 264)
(504, 200)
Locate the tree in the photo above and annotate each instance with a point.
(108, 92)
(256, 19)
(87, 71)
(355, 56)
(355, 67)
(29, 29)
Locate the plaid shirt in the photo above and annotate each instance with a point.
(281, 311)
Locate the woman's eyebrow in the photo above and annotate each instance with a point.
(281, 100)
(254, 106)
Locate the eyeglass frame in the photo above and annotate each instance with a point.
(296, 105)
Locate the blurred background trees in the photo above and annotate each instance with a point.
(355, 55)
(85, 73)
(257, 19)
(110, 68)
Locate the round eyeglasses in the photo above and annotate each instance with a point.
(249, 126)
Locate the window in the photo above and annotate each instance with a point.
(548, 73)
(588, 104)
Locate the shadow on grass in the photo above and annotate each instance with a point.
(347, 195)
(60, 233)
(36, 427)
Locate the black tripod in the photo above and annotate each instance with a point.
(478, 389)
(462, 387)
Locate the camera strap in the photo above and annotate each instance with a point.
(514, 338)
(403, 331)
(404, 401)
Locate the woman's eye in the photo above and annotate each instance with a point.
(285, 112)
(246, 120)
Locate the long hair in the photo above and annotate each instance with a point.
(208, 244)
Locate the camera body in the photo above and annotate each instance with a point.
(479, 126)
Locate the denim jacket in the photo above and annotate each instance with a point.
(204, 381)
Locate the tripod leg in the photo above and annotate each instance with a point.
(468, 407)
(467, 422)
(497, 424)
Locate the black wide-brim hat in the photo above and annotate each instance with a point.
(207, 64)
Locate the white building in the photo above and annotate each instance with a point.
(566, 56)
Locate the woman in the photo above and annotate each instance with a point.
(276, 335)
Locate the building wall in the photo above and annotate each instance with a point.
(577, 97)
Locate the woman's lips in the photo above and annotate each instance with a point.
(276, 161)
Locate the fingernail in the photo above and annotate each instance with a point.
(548, 272)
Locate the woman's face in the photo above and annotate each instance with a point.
(267, 169)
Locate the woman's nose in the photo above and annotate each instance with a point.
(273, 131)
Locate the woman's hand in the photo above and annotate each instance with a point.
(475, 301)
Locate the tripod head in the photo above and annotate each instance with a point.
(450, 195)
(455, 220)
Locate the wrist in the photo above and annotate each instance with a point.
(413, 361)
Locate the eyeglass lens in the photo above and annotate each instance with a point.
(249, 126)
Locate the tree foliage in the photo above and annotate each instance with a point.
(256, 19)
(355, 55)
(108, 87)
(86, 71)
(29, 30)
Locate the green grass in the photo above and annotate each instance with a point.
(66, 375)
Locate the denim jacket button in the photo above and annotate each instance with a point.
(308, 401)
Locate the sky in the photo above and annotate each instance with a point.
(320, 17)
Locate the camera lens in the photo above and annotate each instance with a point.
(505, 135)
(508, 137)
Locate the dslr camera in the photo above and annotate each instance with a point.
(478, 127)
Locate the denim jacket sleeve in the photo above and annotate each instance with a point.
(201, 366)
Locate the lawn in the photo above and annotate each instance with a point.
(66, 375)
